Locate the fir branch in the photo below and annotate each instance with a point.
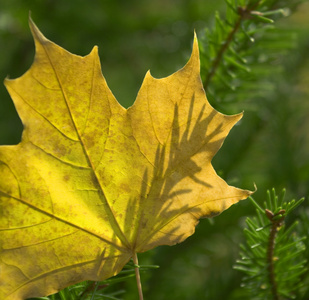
(279, 251)
(230, 61)
(244, 13)
(271, 246)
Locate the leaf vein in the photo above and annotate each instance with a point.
(112, 217)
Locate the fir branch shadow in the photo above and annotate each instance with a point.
(173, 163)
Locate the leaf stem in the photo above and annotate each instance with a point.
(138, 277)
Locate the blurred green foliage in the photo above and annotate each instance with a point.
(269, 147)
(133, 36)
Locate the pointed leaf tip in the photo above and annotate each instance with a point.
(36, 33)
(195, 36)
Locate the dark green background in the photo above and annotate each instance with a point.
(134, 36)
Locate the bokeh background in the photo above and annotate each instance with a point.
(134, 36)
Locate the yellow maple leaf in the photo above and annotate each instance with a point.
(92, 183)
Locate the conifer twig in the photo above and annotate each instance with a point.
(276, 223)
(244, 13)
(220, 53)
(274, 261)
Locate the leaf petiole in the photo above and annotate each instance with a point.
(138, 277)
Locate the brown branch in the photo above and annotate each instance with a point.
(276, 223)
(243, 13)
(220, 53)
